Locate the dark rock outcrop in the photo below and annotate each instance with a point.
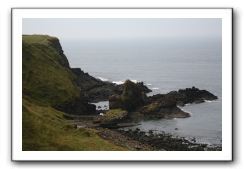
(163, 109)
(96, 90)
(131, 98)
(78, 106)
(143, 88)
(184, 96)
(134, 100)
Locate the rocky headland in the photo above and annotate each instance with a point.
(57, 109)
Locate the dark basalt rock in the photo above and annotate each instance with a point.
(134, 100)
(143, 88)
(96, 90)
(115, 102)
(166, 141)
(93, 89)
(131, 98)
(78, 106)
(184, 96)
(161, 110)
(140, 85)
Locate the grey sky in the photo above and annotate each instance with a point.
(74, 29)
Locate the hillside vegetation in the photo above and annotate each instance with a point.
(48, 81)
(46, 74)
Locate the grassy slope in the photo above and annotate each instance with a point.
(47, 82)
(44, 77)
(44, 128)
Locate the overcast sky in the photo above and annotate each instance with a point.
(75, 29)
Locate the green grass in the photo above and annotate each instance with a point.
(47, 81)
(40, 39)
(45, 78)
(45, 129)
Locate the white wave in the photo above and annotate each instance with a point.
(102, 79)
(135, 81)
(187, 104)
(149, 84)
(184, 110)
(118, 82)
(155, 88)
(122, 82)
(210, 101)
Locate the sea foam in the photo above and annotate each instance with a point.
(123, 81)
(102, 79)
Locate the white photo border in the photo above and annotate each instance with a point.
(18, 14)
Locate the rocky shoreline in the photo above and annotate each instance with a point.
(58, 99)
(167, 142)
(128, 105)
(132, 105)
(137, 140)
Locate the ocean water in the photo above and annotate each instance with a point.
(164, 65)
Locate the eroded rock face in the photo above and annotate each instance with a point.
(158, 106)
(131, 98)
(165, 105)
(159, 110)
(134, 100)
(96, 90)
(184, 96)
(163, 108)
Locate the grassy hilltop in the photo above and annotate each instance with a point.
(46, 74)
(48, 81)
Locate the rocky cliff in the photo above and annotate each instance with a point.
(48, 78)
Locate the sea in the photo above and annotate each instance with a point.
(163, 65)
